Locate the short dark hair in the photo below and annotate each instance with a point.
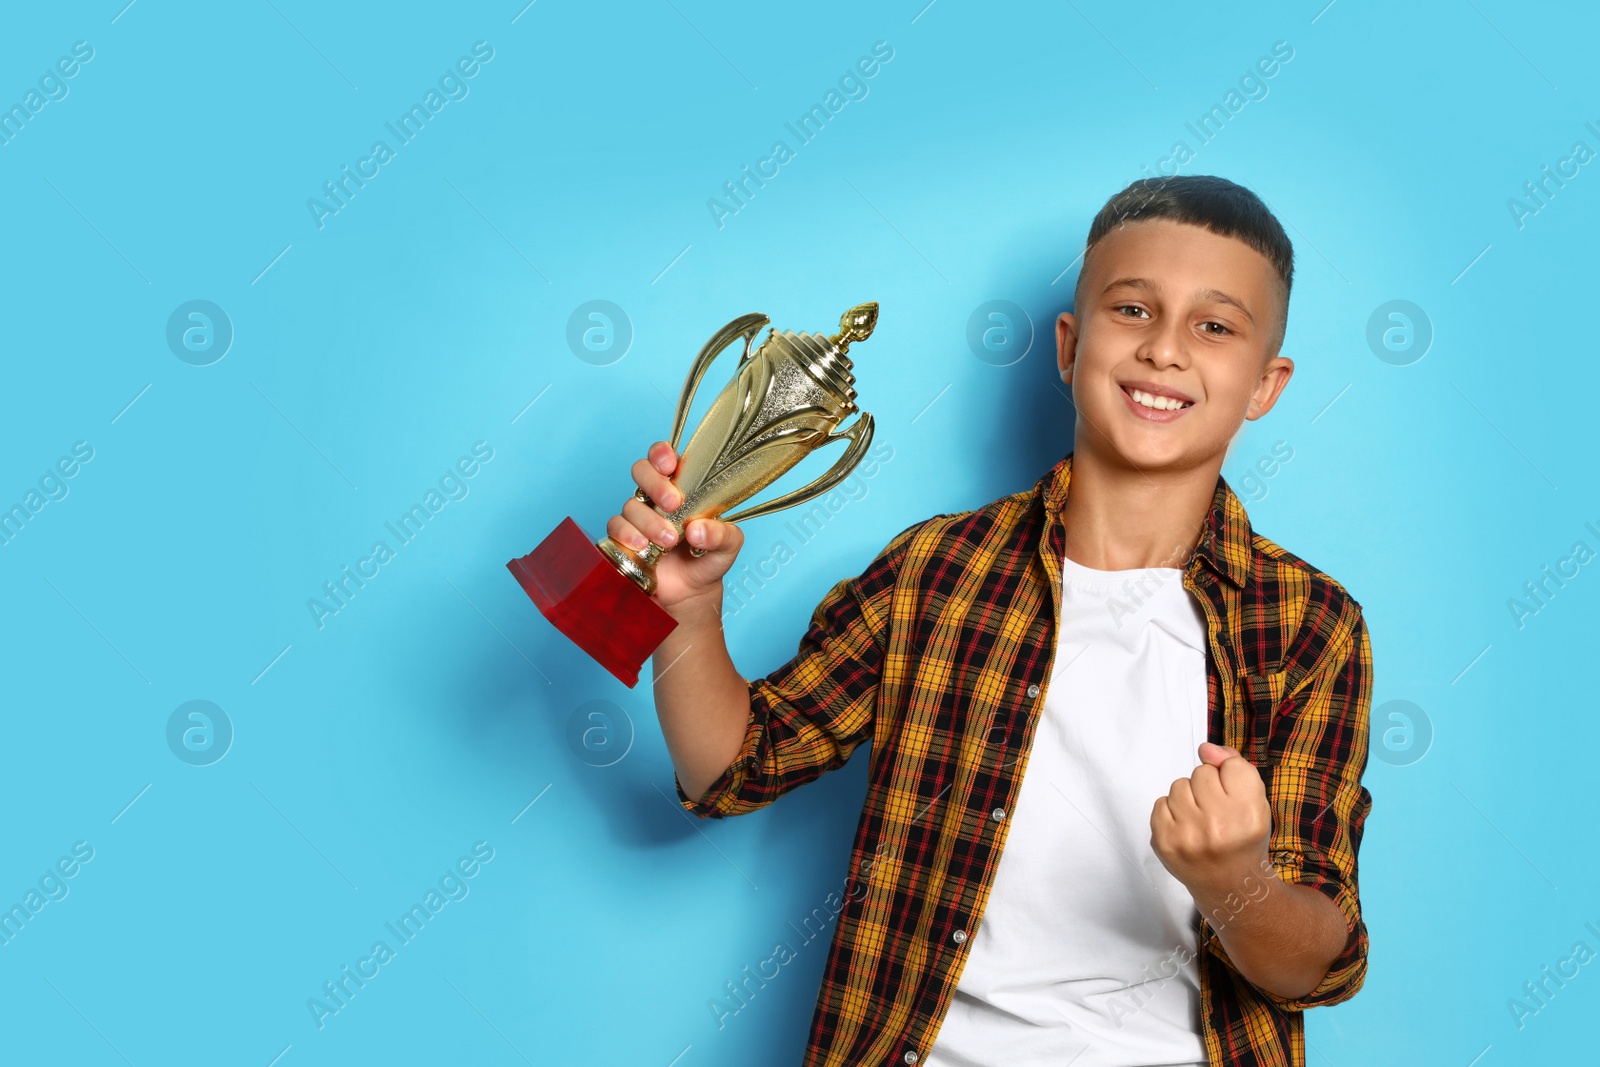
(1219, 205)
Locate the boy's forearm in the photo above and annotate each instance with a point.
(1284, 939)
(702, 701)
(1212, 831)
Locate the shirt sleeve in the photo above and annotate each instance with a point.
(1319, 806)
(809, 715)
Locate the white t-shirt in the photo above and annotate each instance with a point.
(1085, 953)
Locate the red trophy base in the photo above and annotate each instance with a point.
(584, 596)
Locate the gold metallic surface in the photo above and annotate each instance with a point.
(786, 399)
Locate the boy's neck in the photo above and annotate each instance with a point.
(1120, 518)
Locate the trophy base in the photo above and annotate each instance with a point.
(579, 589)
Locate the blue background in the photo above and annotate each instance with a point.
(434, 710)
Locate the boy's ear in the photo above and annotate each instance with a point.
(1066, 344)
(1274, 376)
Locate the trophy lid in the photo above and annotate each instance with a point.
(823, 357)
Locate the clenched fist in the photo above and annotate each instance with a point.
(687, 585)
(1212, 827)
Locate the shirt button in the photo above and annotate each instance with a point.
(1033, 690)
(911, 1056)
(959, 936)
(998, 814)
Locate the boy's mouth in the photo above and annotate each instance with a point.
(1157, 403)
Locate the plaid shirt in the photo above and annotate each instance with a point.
(940, 654)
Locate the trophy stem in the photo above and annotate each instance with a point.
(640, 568)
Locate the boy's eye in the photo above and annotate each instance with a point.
(1129, 307)
(1220, 329)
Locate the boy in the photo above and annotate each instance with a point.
(1041, 873)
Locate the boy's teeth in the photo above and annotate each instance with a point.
(1159, 403)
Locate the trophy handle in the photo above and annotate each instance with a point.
(860, 435)
(746, 326)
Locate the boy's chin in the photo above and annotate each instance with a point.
(1151, 452)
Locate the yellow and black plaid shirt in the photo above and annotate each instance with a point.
(940, 654)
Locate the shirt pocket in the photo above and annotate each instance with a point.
(1262, 693)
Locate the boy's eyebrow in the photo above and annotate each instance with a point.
(1205, 294)
(1223, 298)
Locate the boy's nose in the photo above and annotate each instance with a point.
(1166, 347)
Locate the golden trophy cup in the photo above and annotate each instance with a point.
(786, 399)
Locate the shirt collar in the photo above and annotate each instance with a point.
(1224, 543)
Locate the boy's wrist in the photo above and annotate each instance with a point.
(702, 612)
(1228, 888)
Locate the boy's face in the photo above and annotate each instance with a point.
(1171, 308)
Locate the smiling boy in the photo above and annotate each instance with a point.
(1117, 737)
